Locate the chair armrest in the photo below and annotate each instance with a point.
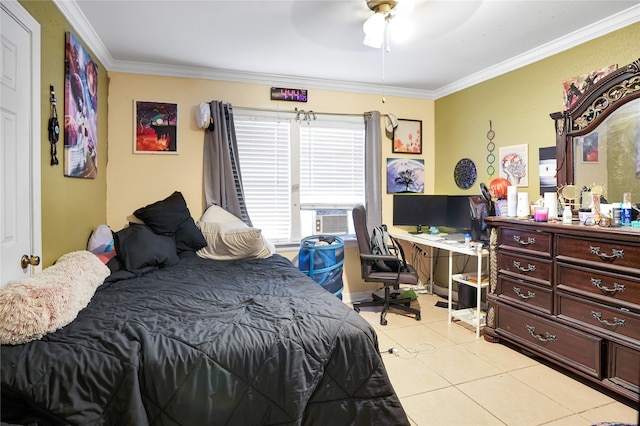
(383, 257)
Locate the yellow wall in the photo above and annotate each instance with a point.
(135, 180)
(518, 104)
(150, 177)
(71, 207)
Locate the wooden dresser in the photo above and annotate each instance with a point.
(571, 294)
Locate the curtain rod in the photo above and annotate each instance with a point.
(294, 111)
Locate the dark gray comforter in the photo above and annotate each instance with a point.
(205, 342)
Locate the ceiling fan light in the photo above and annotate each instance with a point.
(402, 28)
(374, 24)
(374, 30)
(373, 40)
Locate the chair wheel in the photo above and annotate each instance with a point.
(383, 321)
(357, 309)
(418, 317)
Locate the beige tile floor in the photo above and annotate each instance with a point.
(444, 375)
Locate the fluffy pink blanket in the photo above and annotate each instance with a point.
(31, 308)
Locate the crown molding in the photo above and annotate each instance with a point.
(81, 25)
(268, 79)
(85, 31)
(614, 22)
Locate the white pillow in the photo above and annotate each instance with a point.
(228, 237)
(218, 214)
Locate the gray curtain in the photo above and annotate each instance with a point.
(222, 178)
(372, 167)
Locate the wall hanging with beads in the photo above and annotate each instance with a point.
(491, 157)
(53, 128)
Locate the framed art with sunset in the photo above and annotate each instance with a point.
(155, 127)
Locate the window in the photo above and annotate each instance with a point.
(298, 172)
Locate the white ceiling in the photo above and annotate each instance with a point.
(318, 43)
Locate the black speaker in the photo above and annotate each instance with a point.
(54, 130)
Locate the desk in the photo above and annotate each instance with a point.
(470, 316)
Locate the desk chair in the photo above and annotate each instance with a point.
(401, 273)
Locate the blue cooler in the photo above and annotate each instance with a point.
(321, 257)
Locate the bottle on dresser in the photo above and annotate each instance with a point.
(567, 215)
(625, 213)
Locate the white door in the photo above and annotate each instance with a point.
(19, 143)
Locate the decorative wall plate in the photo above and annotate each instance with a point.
(465, 173)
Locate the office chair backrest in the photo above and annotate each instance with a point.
(359, 215)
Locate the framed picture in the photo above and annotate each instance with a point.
(514, 164)
(155, 127)
(407, 137)
(80, 111)
(590, 148)
(547, 169)
(576, 86)
(405, 175)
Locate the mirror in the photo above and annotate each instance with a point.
(608, 156)
(598, 139)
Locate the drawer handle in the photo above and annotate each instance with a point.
(617, 288)
(615, 253)
(524, 243)
(530, 294)
(529, 268)
(616, 321)
(546, 338)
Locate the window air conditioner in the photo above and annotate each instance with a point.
(332, 223)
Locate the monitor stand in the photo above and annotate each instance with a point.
(417, 231)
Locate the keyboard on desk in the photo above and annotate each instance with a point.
(429, 237)
(459, 238)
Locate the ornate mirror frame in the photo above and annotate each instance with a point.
(591, 109)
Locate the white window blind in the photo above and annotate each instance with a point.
(264, 148)
(331, 165)
(290, 169)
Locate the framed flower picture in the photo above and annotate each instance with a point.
(407, 137)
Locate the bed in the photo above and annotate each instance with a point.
(203, 341)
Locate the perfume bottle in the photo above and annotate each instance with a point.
(625, 212)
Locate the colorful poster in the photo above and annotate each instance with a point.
(80, 112)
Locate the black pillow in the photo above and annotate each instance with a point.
(189, 237)
(139, 247)
(166, 215)
(172, 217)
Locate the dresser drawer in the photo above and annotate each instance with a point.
(623, 368)
(528, 240)
(608, 287)
(526, 267)
(572, 348)
(617, 322)
(599, 253)
(527, 293)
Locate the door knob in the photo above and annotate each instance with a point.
(29, 260)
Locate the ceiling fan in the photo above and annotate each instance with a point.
(389, 16)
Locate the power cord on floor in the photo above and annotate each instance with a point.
(419, 349)
(394, 351)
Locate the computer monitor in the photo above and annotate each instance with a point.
(479, 210)
(419, 211)
(459, 212)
